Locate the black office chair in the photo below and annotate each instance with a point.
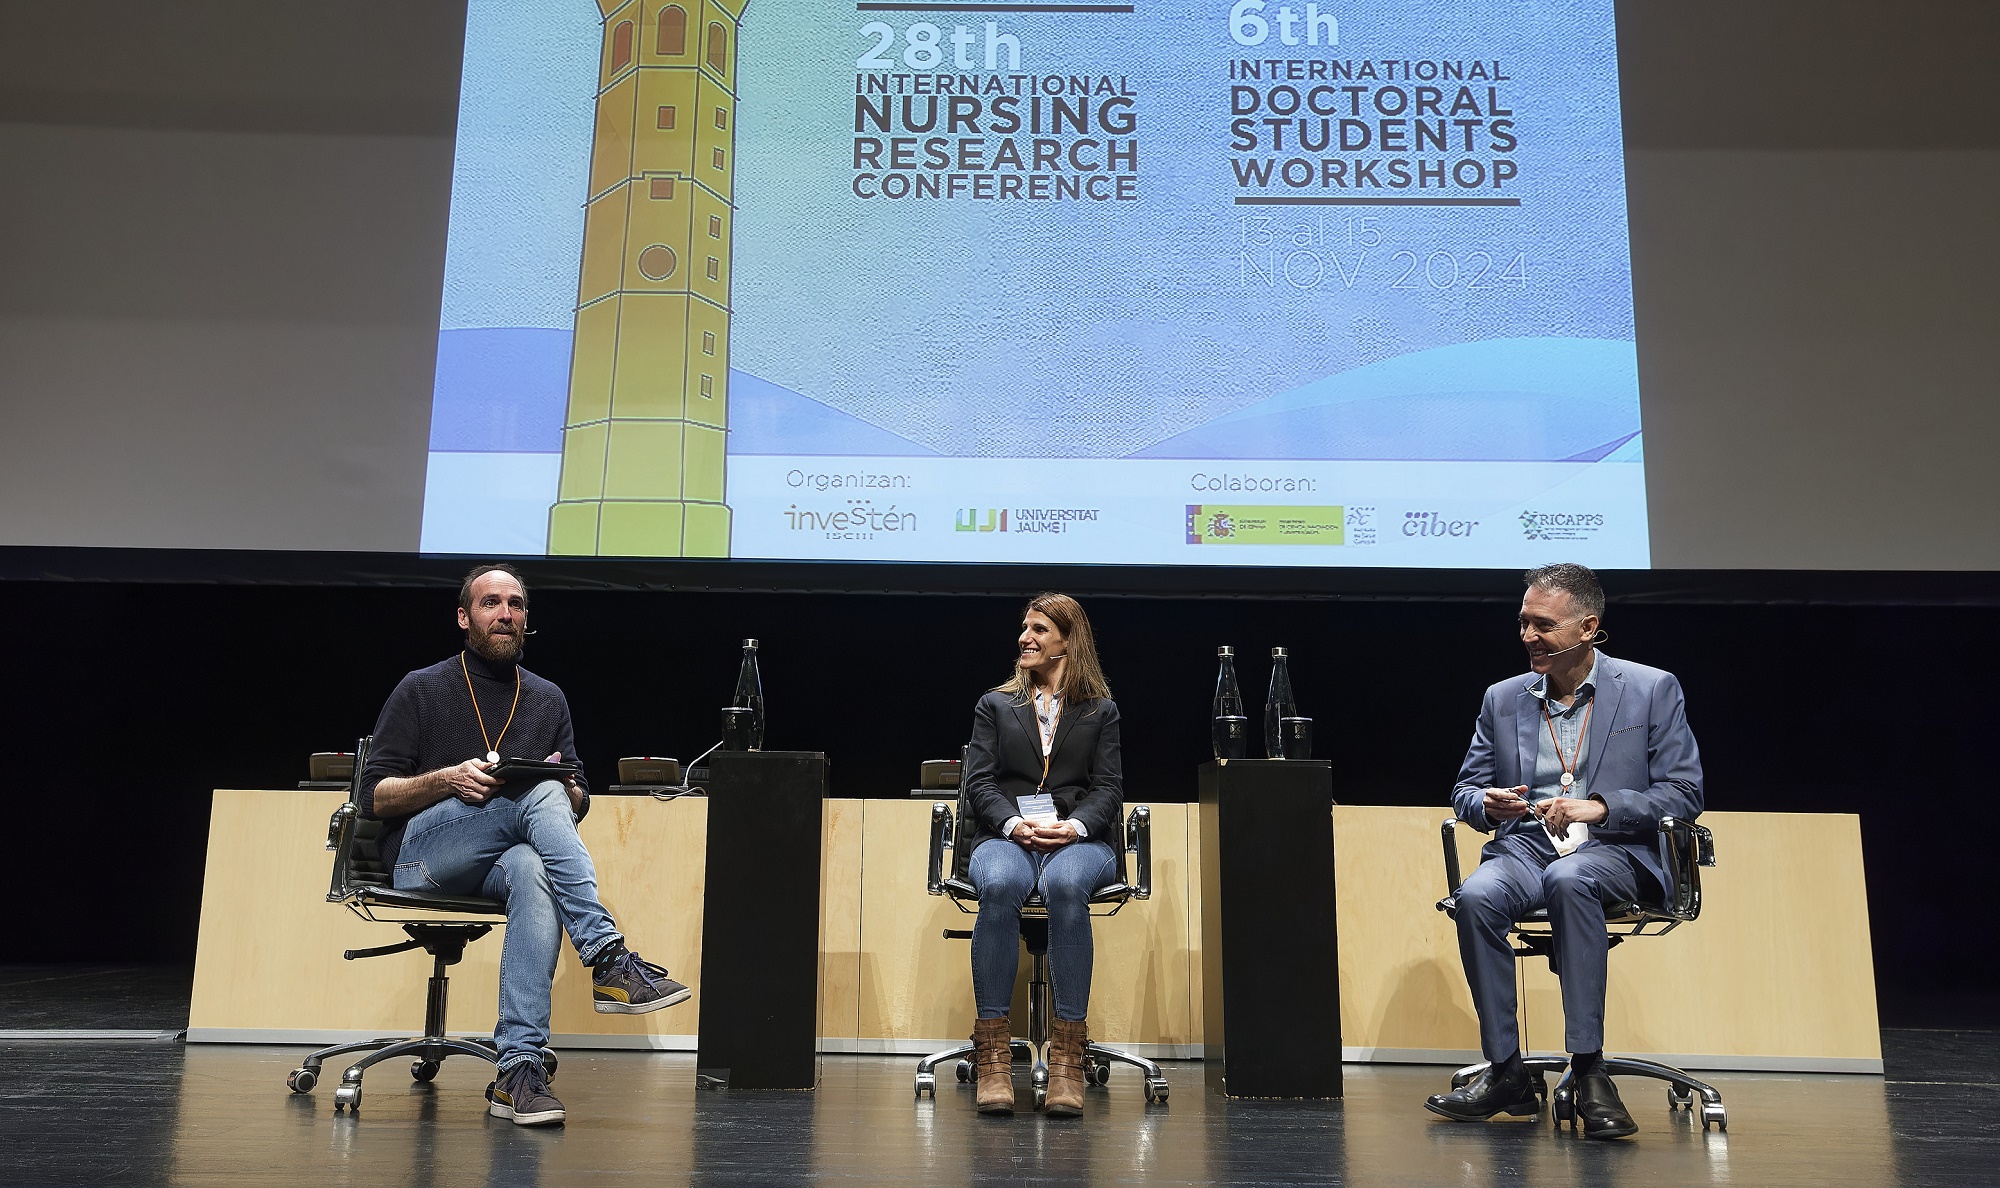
(1684, 849)
(953, 830)
(362, 883)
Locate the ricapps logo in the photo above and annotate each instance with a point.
(1542, 525)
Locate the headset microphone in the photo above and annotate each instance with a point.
(1596, 637)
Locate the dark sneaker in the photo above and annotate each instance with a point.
(625, 985)
(522, 1095)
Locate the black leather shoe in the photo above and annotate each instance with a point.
(1603, 1114)
(1496, 1090)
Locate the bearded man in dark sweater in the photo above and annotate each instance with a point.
(451, 827)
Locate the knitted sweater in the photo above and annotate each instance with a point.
(428, 723)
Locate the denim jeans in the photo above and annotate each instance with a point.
(1005, 873)
(520, 848)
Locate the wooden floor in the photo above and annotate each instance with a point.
(76, 1111)
(99, 1113)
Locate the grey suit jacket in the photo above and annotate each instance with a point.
(1641, 757)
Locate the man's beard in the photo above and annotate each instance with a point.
(501, 649)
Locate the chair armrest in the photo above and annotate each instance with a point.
(1452, 877)
(941, 822)
(1139, 840)
(340, 839)
(341, 826)
(1684, 849)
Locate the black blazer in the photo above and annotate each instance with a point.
(1004, 762)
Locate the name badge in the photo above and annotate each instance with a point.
(1040, 808)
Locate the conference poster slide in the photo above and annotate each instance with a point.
(1211, 282)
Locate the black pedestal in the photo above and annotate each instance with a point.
(1269, 963)
(760, 921)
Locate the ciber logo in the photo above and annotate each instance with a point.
(859, 520)
(1434, 524)
(1537, 525)
(1024, 519)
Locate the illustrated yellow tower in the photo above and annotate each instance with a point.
(643, 439)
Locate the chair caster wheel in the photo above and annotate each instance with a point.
(1714, 1114)
(963, 1070)
(348, 1095)
(548, 1065)
(1041, 1097)
(423, 1070)
(302, 1080)
(1097, 1072)
(1679, 1099)
(926, 1083)
(1156, 1092)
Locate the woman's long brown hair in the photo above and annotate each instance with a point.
(1083, 679)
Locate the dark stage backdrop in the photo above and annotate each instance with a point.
(130, 702)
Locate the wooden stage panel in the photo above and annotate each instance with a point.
(269, 959)
(1776, 974)
(917, 985)
(1400, 984)
(840, 919)
(1778, 967)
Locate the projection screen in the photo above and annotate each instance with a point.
(1250, 283)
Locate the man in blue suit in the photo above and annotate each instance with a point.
(1583, 749)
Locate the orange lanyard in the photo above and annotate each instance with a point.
(492, 744)
(1049, 739)
(1569, 764)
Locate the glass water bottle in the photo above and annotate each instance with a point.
(750, 695)
(1279, 705)
(1231, 725)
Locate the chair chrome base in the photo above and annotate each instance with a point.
(429, 1051)
(446, 944)
(1097, 1058)
(1097, 1070)
(927, 1067)
(1681, 1088)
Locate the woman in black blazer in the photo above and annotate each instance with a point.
(1046, 789)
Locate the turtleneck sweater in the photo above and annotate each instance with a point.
(429, 723)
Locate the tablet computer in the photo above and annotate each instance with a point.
(531, 771)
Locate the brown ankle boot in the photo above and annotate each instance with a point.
(993, 1064)
(1066, 1042)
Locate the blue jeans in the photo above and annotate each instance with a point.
(1005, 873)
(520, 848)
(1509, 884)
